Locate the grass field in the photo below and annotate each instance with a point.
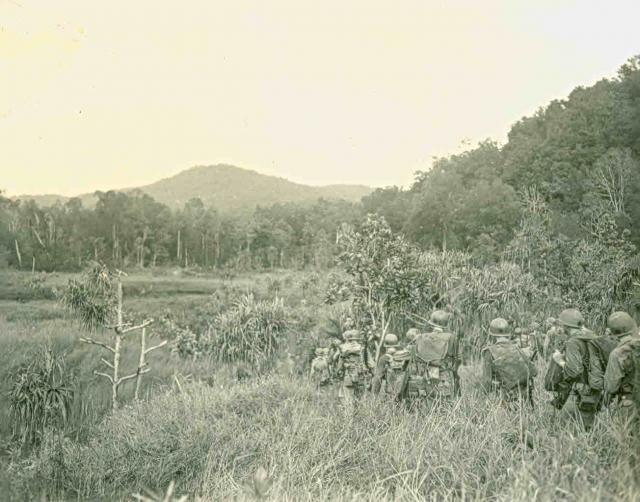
(201, 428)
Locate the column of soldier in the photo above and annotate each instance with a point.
(600, 370)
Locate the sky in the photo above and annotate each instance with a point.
(100, 95)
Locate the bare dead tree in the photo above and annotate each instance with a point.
(610, 177)
(95, 301)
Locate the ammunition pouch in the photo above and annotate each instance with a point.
(590, 400)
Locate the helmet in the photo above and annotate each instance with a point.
(621, 324)
(499, 327)
(439, 318)
(390, 340)
(353, 335)
(571, 318)
(412, 333)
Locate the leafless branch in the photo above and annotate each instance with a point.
(124, 331)
(106, 362)
(95, 342)
(162, 344)
(108, 377)
(133, 375)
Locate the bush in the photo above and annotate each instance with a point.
(40, 397)
(251, 331)
(212, 442)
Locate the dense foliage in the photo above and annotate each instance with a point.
(578, 155)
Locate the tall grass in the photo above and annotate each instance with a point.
(210, 442)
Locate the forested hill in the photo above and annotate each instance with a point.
(227, 188)
(562, 195)
(572, 160)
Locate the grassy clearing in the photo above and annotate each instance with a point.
(199, 427)
(211, 441)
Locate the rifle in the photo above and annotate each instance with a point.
(456, 365)
(561, 396)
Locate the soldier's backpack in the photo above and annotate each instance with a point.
(432, 362)
(434, 349)
(635, 380)
(511, 367)
(320, 371)
(352, 362)
(398, 360)
(598, 350)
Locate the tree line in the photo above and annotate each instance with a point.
(567, 175)
(133, 230)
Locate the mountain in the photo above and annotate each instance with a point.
(227, 188)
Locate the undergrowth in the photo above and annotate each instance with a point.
(210, 441)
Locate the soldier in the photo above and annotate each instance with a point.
(351, 364)
(412, 334)
(431, 370)
(536, 338)
(555, 338)
(623, 371)
(506, 368)
(383, 373)
(320, 373)
(582, 364)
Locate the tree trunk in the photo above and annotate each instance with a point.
(217, 258)
(179, 249)
(18, 255)
(116, 352)
(141, 363)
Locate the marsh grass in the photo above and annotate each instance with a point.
(211, 441)
(200, 428)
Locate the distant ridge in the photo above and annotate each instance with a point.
(227, 188)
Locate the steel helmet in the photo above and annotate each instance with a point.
(412, 334)
(439, 318)
(621, 324)
(571, 318)
(390, 340)
(499, 327)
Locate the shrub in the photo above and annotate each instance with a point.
(40, 397)
(250, 331)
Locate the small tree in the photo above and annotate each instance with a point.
(385, 272)
(97, 300)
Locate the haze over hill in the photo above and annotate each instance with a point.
(227, 188)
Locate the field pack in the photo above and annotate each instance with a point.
(635, 380)
(512, 368)
(599, 349)
(433, 348)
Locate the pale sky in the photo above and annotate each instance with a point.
(98, 95)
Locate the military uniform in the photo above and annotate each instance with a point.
(383, 373)
(506, 367)
(620, 373)
(431, 368)
(556, 339)
(351, 364)
(582, 369)
(320, 372)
